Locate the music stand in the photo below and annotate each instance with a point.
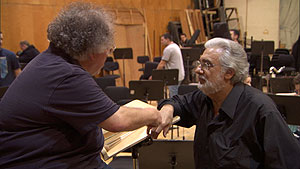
(165, 154)
(190, 55)
(287, 106)
(147, 89)
(262, 48)
(123, 53)
(168, 76)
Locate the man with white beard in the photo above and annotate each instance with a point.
(237, 126)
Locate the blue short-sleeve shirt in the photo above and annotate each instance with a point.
(50, 114)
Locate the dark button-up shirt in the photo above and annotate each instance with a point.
(248, 132)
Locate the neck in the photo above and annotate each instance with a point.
(86, 65)
(219, 97)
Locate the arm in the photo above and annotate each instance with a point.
(17, 72)
(161, 64)
(127, 118)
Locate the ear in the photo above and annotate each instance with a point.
(229, 74)
(92, 56)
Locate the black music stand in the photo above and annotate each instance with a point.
(190, 55)
(168, 76)
(147, 89)
(287, 105)
(123, 53)
(262, 48)
(167, 154)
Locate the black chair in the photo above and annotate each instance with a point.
(142, 60)
(109, 59)
(149, 66)
(120, 95)
(157, 59)
(284, 60)
(103, 82)
(111, 67)
(281, 85)
(2, 91)
(282, 51)
(183, 89)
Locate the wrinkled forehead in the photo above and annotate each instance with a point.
(212, 54)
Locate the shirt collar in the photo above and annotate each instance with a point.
(62, 54)
(230, 103)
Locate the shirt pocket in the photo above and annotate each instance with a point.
(225, 151)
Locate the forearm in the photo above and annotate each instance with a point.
(126, 119)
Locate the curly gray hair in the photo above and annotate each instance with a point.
(81, 29)
(233, 57)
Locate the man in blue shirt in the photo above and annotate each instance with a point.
(9, 65)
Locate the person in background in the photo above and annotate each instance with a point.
(235, 35)
(296, 81)
(171, 59)
(248, 80)
(237, 126)
(28, 52)
(9, 65)
(52, 115)
(183, 40)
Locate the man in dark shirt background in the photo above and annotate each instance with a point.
(237, 126)
(28, 52)
(9, 65)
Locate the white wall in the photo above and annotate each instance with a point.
(262, 18)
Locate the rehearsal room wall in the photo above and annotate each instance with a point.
(262, 18)
(28, 20)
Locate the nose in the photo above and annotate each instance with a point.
(199, 70)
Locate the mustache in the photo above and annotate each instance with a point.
(202, 77)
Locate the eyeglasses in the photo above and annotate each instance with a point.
(111, 50)
(204, 65)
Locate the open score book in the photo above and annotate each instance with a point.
(120, 141)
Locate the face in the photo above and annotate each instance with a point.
(23, 47)
(1, 40)
(99, 60)
(233, 36)
(183, 38)
(164, 41)
(211, 76)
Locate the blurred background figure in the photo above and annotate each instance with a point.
(9, 65)
(28, 52)
(235, 35)
(183, 40)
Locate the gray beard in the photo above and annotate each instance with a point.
(211, 88)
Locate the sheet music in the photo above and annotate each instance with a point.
(120, 141)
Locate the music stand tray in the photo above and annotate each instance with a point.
(123, 53)
(189, 55)
(287, 106)
(168, 76)
(257, 47)
(167, 154)
(147, 89)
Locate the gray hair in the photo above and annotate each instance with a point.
(24, 42)
(233, 57)
(81, 29)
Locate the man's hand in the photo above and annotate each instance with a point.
(167, 118)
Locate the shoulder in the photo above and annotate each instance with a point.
(8, 53)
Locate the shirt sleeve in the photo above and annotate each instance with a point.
(14, 62)
(282, 149)
(166, 54)
(79, 102)
(187, 107)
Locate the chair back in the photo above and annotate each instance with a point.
(149, 66)
(183, 89)
(157, 59)
(118, 94)
(142, 59)
(105, 81)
